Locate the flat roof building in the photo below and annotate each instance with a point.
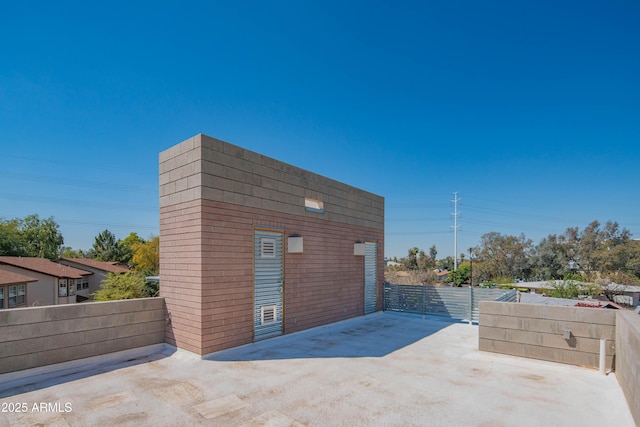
(251, 247)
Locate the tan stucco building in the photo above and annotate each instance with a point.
(51, 283)
(100, 270)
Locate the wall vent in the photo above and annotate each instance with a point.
(268, 314)
(267, 248)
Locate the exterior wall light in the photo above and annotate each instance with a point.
(294, 244)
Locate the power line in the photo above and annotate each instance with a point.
(412, 233)
(414, 219)
(135, 171)
(77, 183)
(499, 212)
(83, 203)
(102, 224)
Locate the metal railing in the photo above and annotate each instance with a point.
(454, 303)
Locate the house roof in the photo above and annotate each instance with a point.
(527, 298)
(9, 278)
(44, 266)
(111, 267)
(625, 288)
(548, 284)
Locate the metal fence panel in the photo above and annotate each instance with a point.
(454, 303)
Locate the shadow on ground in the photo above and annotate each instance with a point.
(376, 335)
(40, 378)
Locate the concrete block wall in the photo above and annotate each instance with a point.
(212, 196)
(181, 273)
(39, 336)
(207, 168)
(536, 331)
(628, 359)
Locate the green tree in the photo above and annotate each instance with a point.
(119, 286)
(69, 252)
(461, 275)
(411, 262)
(105, 247)
(504, 255)
(617, 252)
(632, 258)
(41, 237)
(548, 261)
(596, 248)
(11, 239)
(446, 263)
(126, 248)
(425, 262)
(151, 289)
(433, 253)
(568, 289)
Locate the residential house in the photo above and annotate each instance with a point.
(13, 289)
(532, 298)
(100, 270)
(442, 275)
(628, 295)
(53, 283)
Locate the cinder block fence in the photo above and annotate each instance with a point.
(540, 332)
(567, 335)
(39, 336)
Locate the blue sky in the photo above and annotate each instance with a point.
(529, 109)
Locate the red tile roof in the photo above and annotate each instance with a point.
(9, 278)
(111, 267)
(44, 266)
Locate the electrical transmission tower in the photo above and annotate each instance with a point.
(455, 229)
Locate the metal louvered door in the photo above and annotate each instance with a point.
(267, 284)
(370, 276)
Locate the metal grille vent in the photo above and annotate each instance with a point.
(268, 314)
(267, 248)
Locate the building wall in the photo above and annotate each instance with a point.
(39, 336)
(536, 331)
(42, 292)
(212, 195)
(628, 359)
(95, 279)
(628, 298)
(181, 273)
(4, 303)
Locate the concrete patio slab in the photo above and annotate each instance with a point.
(385, 369)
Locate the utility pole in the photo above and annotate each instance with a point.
(455, 230)
(471, 268)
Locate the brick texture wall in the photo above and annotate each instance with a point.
(212, 196)
(181, 267)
